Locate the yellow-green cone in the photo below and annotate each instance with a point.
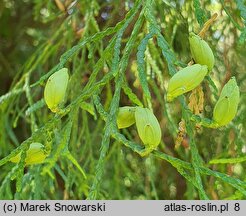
(185, 80)
(201, 51)
(55, 89)
(148, 128)
(226, 107)
(34, 155)
(126, 117)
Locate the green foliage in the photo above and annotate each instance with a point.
(242, 7)
(199, 12)
(141, 65)
(118, 53)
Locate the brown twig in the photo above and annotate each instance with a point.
(60, 5)
(207, 25)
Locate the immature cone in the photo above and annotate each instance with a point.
(201, 52)
(126, 117)
(55, 89)
(148, 128)
(185, 80)
(34, 155)
(226, 107)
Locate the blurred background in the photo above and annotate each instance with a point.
(34, 34)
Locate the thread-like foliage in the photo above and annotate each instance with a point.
(242, 7)
(199, 12)
(120, 53)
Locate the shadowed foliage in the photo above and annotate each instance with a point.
(119, 53)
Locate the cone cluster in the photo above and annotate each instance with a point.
(190, 77)
(148, 127)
